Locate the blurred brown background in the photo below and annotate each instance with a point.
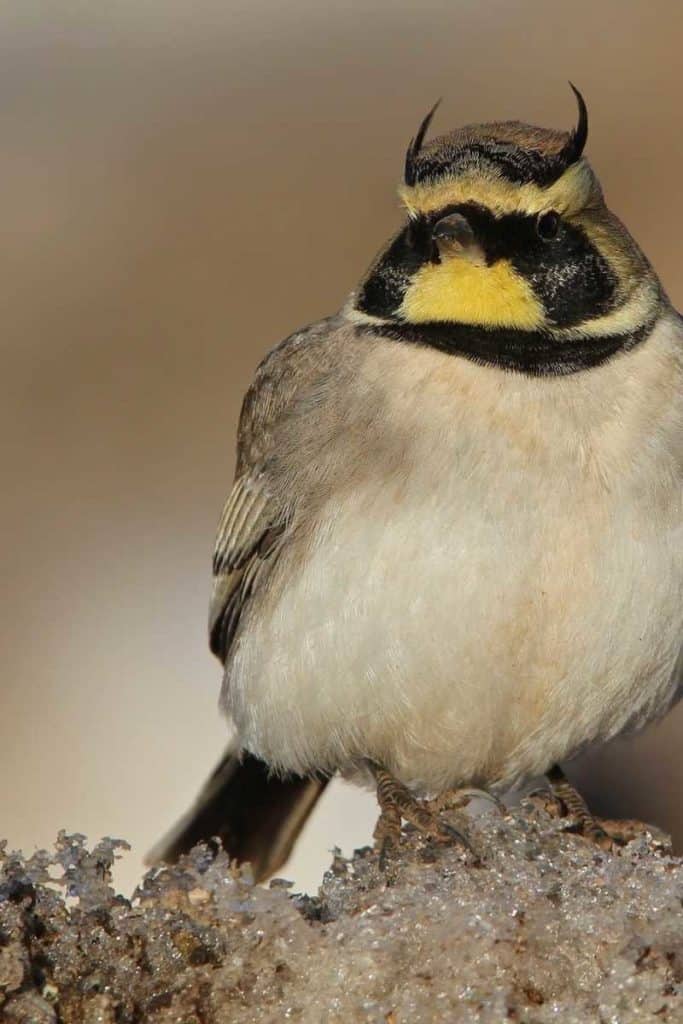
(160, 162)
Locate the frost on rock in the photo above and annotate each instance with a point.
(544, 927)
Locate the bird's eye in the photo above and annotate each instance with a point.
(548, 225)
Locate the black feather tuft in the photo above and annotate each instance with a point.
(416, 145)
(574, 147)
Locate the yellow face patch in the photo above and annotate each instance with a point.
(459, 290)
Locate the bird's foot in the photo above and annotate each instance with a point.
(625, 830)
(573, 805)
(606, 833)
(456, 799)
(398, 804)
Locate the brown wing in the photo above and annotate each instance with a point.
(246, 545)
(252, 528)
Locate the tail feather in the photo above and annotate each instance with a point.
(257, 816)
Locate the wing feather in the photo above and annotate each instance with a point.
(246, 544)
(252, 528)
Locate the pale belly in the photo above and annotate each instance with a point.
(456, 634)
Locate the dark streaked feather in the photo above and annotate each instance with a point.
(245, 545)
(257, 816)
(244, 519)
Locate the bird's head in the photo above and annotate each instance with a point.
(509, 253)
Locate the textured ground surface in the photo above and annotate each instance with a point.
(546, 928)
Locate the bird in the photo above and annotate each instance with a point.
(452, 555)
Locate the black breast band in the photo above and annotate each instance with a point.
(535, 353)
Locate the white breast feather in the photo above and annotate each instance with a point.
(514, 594)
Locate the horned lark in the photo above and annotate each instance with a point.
(453, 552)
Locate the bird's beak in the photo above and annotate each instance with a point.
(453, 235)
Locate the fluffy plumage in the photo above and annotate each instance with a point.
(485, 570)
(454, 545)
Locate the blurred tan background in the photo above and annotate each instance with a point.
(160, 161)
